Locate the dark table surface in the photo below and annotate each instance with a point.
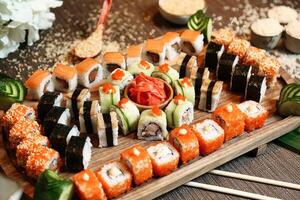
(131, 22)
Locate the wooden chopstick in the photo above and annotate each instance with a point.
(256, 179)
(229, 191)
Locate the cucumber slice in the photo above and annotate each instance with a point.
(285, 90)
(289, 108)
(122, 118)
(208, 30)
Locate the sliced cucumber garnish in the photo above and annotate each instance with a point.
(289, 101)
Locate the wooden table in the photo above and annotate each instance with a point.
(132, 22)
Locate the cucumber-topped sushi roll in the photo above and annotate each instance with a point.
(115, 178)
(166, 73)
(109, 95)
(185, 88)
(223, 36)
(141, 66)
(154, 51)
(65, 78)
(172, 39)
(238, 47)
(256, 88)
(210, 94)
(152, 125)
(240, 78)
(120, 77)
(253, 57)
(210, 136)
(134, 53)
(112, 61)
(191, 42)
(179, 111)
(164, 158)
(90, 72)
(185, 64)
(108, 129)
(226, 66)
(61, 136)
(128, 115)
(88, 116)
(47, 101)
(256, 115)
(213, 54)
(39, 83)
(78, 153)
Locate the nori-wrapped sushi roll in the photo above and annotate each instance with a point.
(47, 101)
(240, 78)
(226, 66)
(256, 88)
(213, 54)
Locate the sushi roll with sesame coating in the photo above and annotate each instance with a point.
(213, 54)
(223, 36)
(238, 47)
(141, 66)
(269, 67)
(154, 51)
(134, 54)
(88, 116)
(226, 66)
(166, 73)
(191, 42)
(109, 95)
(90, 72)
(256, 88)
(108, 129)
(253, 57)
(172, 40)
(185, 64)
(120, 77)
(47, 101)
(185, 88)
(65, 78)
(112, 61)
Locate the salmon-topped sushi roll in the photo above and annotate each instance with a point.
(115, 178)
(186, 143)
(38, 83)
(87, 186)
(238, 47)
(65, 78)
(112, 61)
(134, 54)
(89, 72)
(191, 42)
(17, 112)
(154, 51)
(231, 119)
(223, 36)
(172, 39)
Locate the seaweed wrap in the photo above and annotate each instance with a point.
(210, 95)
(226, 66)
(256, 88)
(88, 116)
(213, 54)
(108, 129)
(240, 78)
(47, 101)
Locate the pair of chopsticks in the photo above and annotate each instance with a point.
(242, 177)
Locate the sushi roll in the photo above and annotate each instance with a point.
(256, 88)
(39, 83)
(47, 101)
(90, 72)
(152, 125)
(17, 112)
(238, 47)
(115, 178)
(120, 77)
(185, 88)
(185, 141)
(78, 153)
(134, 54)
(191, 42)
(172, 40)
(213, 54)
(201, 75)
(255, 115)
(112, 61)
(240, 78)
(88, 116)
(179, 111)
(166, 73)
(87, 186)
(231, 119)
(210, 136)
(57, 115)
(65, 78)
(269, 67)
(138, 161)
(253, 57)
(108, 129)
(128, 115)
(109, 95)
(223, 36)
(185, 64)
(61, 136)
(141, 67)
(226, 66)
(164, 158)
(154, 51)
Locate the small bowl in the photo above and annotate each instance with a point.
(264, 42)
(168, 90)
(292, 43)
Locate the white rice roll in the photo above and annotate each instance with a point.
(90, 72)
(185, 88)
(172, 40)
(88, 118)
(191, 42)
(140, 66)
(120, 77)
(166, 73)
(210, 95)
(109, 95)
(108, 129)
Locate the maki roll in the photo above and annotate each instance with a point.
(39, 83)
(152, 125)
(226, 66)
(186, 143)
(223, 36)
(141, 67)
(138, 161)
(88, 116)
(65, 78)
(256, 88)
(115, 178)
(213, 54)
(201, 75)
(184, 87)
(164, 158)
(154, 51)
(255, 115)
(109, 95)
(128, 115)
(238, 47)
(90, 72)
(166, 73)
(269, 67)
(210, 136)
(61, 136)
(57, 115)
(112, 61)
(240, 78)
(87, 186)
(191, 42)
(108, 129)
(134, 53)
(120, 77)
(47, 101)
(78, 153)
(185, 64)
(179, 111)
(172, 40)
(253, 57)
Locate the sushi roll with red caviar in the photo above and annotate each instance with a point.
(141, 67)
(238, 47)
(186, 143)
(112, 61)
(65, 78)
(90, 72)
(134, 54)
(109, 95)
(166, 73)
(138, 161)
(191, 42)
(17, 112)
(120, 77)
(154, 51)
(223, 36)
(184, 87)
(172, 40)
